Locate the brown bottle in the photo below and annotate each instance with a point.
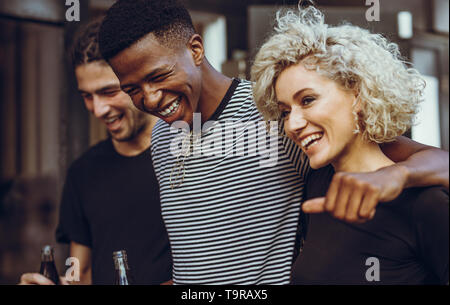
(123, 275)
(48, 267)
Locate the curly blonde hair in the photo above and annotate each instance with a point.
(389, 92)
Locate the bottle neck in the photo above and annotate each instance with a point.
(122, 269)
(121, 264)
(47, 254)
(48, 268)
(122, 272)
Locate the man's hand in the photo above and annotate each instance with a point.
(38, 279)
(353, 197)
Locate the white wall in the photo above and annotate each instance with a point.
(215, 39)
(427, 130)
(214, 33)
(440, 13)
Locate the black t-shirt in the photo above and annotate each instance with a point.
(409, 238)
(111, 202)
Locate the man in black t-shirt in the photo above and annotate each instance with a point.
(110, 200)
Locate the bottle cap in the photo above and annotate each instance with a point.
(120, 254)
(47, 250)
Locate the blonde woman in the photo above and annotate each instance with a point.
(341, 91)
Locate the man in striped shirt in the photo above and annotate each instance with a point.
(230, 190)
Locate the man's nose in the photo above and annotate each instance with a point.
(101, 107)
(151, 97)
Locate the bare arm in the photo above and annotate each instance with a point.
(424, 165)
(83, 254)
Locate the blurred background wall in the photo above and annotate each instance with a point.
(44, 125)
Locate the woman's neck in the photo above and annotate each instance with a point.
(361, 156)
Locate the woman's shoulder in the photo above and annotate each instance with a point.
(423, 195)
(432, 194)
(427, 203)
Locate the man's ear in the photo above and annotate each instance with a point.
(195, 45)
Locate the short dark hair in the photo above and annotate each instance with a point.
(85, 48)
(127, 21)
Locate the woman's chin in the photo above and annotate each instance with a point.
(316, 164)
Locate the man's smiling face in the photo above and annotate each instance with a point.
(162, 81)
(100, 89)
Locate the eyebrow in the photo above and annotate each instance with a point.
(105, 88)
(299, 92)
(295, 95)
(161, 70)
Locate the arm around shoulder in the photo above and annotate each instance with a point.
(424, 165)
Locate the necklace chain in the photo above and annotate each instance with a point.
(178, 172)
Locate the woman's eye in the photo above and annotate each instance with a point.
(284, 114)
(308, 100)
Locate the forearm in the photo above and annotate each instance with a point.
(426, 167)
(420, 164)
(84, 266)
(85, 278)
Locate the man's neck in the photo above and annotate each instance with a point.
(214, 87)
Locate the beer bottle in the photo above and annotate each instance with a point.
(48, 268)
(123, 275)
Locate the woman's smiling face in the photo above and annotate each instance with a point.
(318, 114)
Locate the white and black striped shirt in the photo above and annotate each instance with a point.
(231, 221)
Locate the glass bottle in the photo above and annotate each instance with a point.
(122, 274)
(48, 267)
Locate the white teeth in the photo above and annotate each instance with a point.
(307, 141)
(171, 109)
(111, 120)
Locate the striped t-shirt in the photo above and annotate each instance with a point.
(234, 217)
